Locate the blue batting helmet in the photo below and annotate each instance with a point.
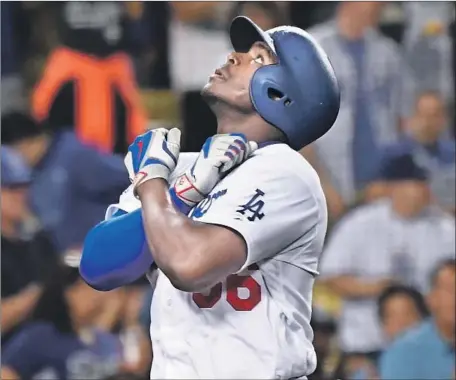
(299, 95)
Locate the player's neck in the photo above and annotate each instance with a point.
(232, 123)
(251, 125)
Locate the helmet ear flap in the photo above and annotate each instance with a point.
(270, 98)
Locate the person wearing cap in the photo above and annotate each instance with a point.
(395, 239)
(72, 183)
(427, 139)
(25, 257)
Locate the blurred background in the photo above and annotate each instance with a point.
(79, 80)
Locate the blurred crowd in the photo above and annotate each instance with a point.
(81, 79)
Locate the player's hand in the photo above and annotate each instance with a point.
(219, 155)
(152, 155)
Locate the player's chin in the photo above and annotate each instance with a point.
(213, 91)
(213, 86)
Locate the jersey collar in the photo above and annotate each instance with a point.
(263, 144)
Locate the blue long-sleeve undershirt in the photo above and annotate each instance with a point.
(115, 251)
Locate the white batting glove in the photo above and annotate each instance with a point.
(152, 155)
(219, 155)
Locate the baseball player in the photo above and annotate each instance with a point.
(236, 230)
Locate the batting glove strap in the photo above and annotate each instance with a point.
(186, 192)
(183, 207)
(153, 169)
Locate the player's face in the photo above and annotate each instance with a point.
(231, 82)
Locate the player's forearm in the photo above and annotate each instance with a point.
(115, 251)
(352, 287)
(182, 248)
(167, 234)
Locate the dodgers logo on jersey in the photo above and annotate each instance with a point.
(253, 207)
(206, 204)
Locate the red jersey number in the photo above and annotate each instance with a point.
(234, 283)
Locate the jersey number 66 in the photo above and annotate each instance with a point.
(234, 283)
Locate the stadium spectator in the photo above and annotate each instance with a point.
(427, 46)
(105, 109)
(27, 256)
(427, 139)
(148, 42)
(400, 307)
(72, 183)
(195, 24)
(392, 240)
(135, 338)
(61, 342)
(376, 94)
(428, 350)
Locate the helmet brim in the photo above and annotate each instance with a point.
(244, 33)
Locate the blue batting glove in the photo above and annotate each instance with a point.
(152, 155)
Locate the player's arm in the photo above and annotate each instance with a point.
(249, 222)
(181, 248)
(192, 255)
(115, 252)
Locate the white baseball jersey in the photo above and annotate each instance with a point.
(256, 323)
